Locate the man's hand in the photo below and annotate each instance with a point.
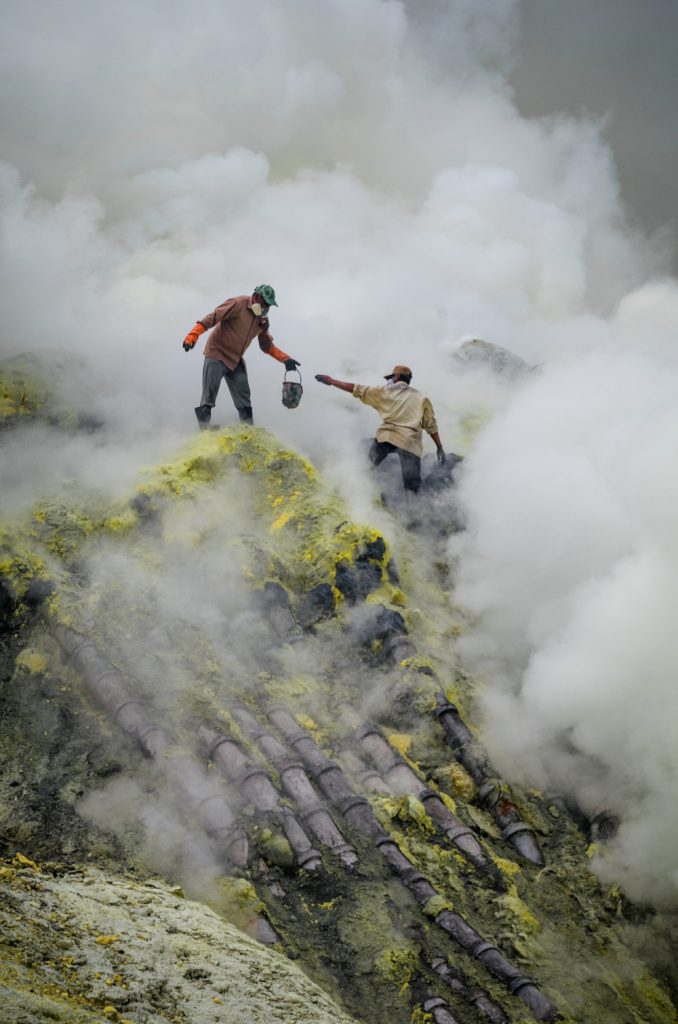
(441, 456)
(291, 364)
(192, 337)
(323, 378)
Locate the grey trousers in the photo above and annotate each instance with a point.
(212, 374)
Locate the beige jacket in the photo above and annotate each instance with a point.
(405, 413)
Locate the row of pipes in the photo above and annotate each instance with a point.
(299, 775)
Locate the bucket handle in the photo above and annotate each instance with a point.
(292, 371)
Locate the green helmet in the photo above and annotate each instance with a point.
(267, 293)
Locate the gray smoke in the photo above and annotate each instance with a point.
(369, 160)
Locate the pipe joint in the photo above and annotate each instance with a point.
(516, 828)
(481, 947)
(433, 1004)
(252, 772)
(516, 984)
(446, 708)
(363, 731)
(126, 704)
(313, 811)
(294, 736)
(310, 859)
(411, 876)
(350, 803)
(82, 646)
(219, 741)
(323, 769)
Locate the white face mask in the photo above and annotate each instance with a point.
(256, 309)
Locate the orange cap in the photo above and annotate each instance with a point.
(400, 371)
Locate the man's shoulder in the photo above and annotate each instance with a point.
(236, 301)
(420, 396)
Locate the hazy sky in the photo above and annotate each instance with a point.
(618, 60)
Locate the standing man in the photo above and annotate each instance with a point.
(405, 413)
(234, 324)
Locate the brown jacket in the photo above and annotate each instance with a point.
(234, 327)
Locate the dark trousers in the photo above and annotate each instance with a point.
(410, 465)
(214, 371)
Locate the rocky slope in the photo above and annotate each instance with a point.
(221, 681)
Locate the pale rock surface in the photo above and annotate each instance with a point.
(90, 947)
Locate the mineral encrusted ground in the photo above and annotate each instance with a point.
(425, 892)
(82, 946)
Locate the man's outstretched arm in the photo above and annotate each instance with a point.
(341, 384)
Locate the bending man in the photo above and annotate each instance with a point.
(405, 413)
(233, 326)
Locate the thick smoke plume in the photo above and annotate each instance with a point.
(369, 161)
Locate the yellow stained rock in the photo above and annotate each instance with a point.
(402, 742)
(32, 662)
(25, 862)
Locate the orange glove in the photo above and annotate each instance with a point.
(192, 337)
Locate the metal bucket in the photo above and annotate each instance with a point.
(291, 391)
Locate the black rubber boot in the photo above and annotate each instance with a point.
(246, 415)
(204, 415)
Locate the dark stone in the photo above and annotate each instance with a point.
(143, 505)
(382, 624)
(197, 974)
(102, 763)
(358, 580)
(344, 581)
(436, 477)
(604, 826)
(89, 423)
(389, 623)
(38, 591)
(274, 603)
(425, 670)
(316, 605)
(6, 603)
(273, 596)
(373, 550)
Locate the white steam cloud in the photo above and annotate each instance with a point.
(367, 159)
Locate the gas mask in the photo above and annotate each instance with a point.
(256, 309)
